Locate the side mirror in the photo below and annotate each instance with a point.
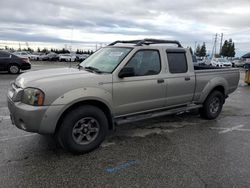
(126, 72)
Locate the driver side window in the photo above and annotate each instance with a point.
(145, 63)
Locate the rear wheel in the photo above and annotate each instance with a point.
(14, 69)
(212, 105)
(83, 129)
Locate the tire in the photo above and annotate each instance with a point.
(212, 106)
(14, 69)
(83, 129)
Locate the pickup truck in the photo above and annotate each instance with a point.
(123, 82)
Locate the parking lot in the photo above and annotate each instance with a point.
(172, 151)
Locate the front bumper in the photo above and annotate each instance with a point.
(38, 119)
(26, 117)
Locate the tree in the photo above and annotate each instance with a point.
(231, 49)
(197, 51)
(224, 49)
(44, 50)
(228, 49)
(203, 50)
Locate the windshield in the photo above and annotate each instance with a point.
(106, 59)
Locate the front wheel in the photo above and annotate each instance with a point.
(83, 129)
(212, 105)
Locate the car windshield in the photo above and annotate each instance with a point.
(106, 59)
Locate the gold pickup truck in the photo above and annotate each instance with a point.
(123, 82)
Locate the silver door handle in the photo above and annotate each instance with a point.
(187, 78)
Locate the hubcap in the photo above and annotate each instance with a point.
(85, 130)
(214, 105)
(13, 69)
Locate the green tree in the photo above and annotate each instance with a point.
(224, 49)
(228, 49)
(203, 50)
(197, 50)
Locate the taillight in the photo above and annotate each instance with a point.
(26, 60)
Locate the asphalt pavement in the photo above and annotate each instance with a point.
(172, 151)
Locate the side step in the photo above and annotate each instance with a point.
(144, 116)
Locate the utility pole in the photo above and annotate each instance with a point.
(215, 43)
(221, 39)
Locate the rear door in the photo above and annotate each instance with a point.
(143, 91)
(180, 82)
(4, 60)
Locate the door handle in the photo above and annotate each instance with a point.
(159, 81)
(187, 78)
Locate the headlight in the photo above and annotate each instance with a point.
(33, 96)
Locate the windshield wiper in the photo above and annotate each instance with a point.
(93, 69)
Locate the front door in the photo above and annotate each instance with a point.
(145, 90)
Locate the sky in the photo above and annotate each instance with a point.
(89, 23)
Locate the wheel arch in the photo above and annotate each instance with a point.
(95, 103)
(219, 88)
(217, 83)
(13, 63)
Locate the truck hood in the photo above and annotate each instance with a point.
(29, 79)
(56, 82)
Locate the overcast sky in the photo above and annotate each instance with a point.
(86, 22)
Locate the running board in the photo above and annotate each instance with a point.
(150, 115)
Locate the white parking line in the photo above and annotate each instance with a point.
(226, 130)
(16, 137)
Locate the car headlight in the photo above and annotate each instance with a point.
(33, 96)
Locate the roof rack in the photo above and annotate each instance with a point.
(147, 42)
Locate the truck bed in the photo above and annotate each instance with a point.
(208, 77)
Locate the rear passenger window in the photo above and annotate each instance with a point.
(177, 62)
